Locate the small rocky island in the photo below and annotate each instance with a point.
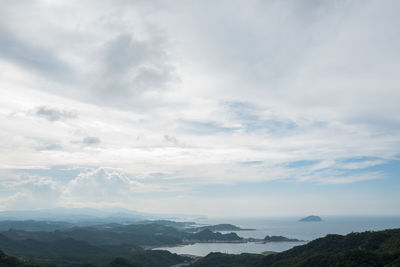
(311, 218)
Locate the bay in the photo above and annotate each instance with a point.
(285, 226)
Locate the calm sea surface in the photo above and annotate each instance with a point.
(288, 227)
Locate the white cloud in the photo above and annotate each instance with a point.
(109, 187)
(100, 185)
(29, 192)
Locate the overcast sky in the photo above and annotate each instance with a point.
(228, 108)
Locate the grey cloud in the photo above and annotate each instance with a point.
(132, 67)
(32, 57)
(112, 65)
(91, 141)
(54, 114)
(171, 139)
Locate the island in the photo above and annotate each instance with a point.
(311, 218)
(280, 238)
(208, 236)
(217, 227)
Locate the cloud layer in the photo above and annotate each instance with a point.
(183, 94)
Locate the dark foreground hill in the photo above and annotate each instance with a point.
(365, 249)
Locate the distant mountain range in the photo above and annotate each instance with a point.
(89, 215)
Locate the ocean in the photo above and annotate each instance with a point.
(289, 227)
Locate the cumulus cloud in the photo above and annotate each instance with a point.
(106, 185)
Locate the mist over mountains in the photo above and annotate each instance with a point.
(90, 215)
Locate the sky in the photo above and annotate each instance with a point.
(221, 108)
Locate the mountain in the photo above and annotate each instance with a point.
(381, 248)
(90, 216)
(9, 261)
(135, 234)
(74, 215)
(31, 225)
(71, 252)
(311, 218)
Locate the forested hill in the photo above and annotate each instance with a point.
(380, 248)
(118, 245)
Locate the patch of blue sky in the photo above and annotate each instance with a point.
(251, 163)
(358, 159)
(247, 115)
(301, 163)
(389, 185)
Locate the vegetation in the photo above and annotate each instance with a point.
(69, 252)
(121, 262)
(30, 225)
(356, 249)
(100, 244)
(228, 260)
(208, 235)
(136, 234)
(217, 227)
(8, 261)
(279, 238)
(178, 225)
(115, 245)
(380, 248)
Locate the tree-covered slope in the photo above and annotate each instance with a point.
(217, 227)
(9, 261)
(136, 234)
(380, 248)
(365, 249)
(208, 235)
(227, 260)
(71, 252)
